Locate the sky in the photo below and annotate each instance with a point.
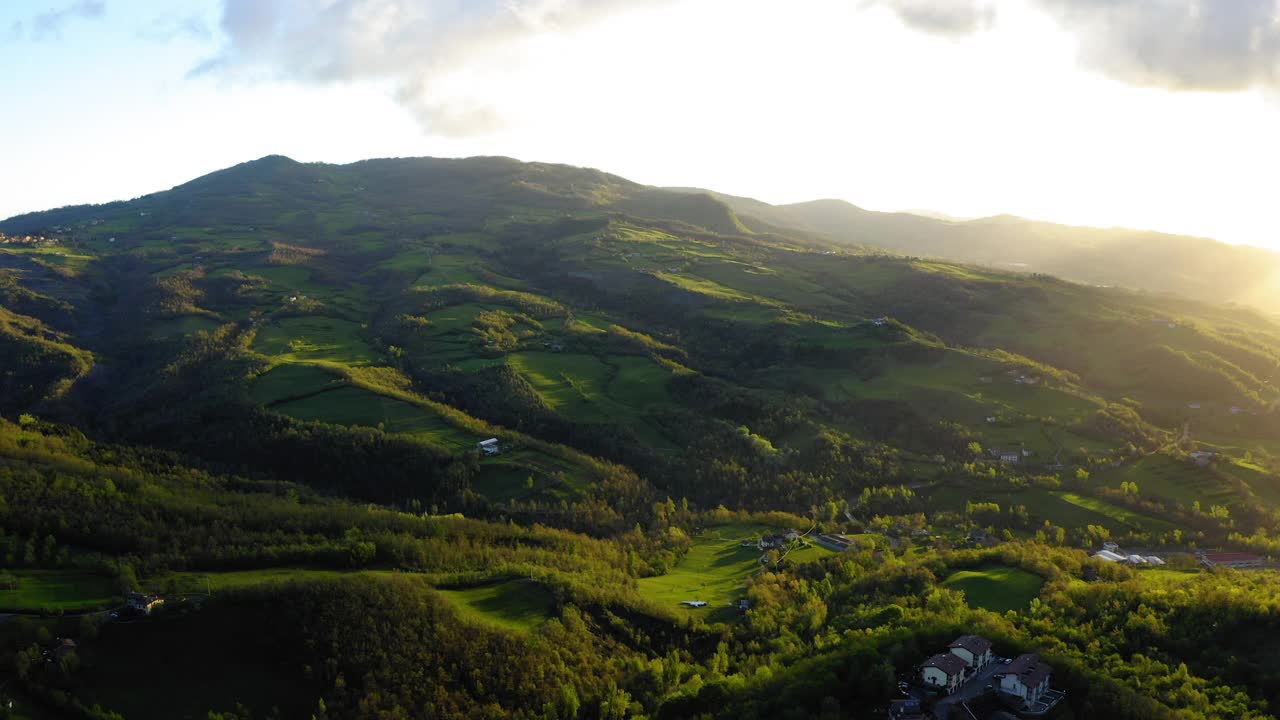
(1155, 114)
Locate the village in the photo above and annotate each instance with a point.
(969, 681)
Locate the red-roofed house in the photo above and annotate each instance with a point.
(1026, 678)
(943, 671)
(974, 650)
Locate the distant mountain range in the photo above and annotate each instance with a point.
(1194, 267)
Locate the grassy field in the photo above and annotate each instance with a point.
(519, 605)
(590, 389)
(997, 588)
(357, 406)
(291, 380)
(715, 569)
(1166, 477)
(314, 337)
(197, 583)
(65, 590)
(1119, 514)
(1074, 512)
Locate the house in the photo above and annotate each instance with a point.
(768, 542)
(974, 650)
(880, 321)
(1238, 560)
(1113, 547)
(64, 648)
(1109, 556)
(142, 602)
(906, 710)
(1026, 678)
(489, 447)
(1194, 406)
(1009, 457)
(1236, 409)
(1201, 457)
(943, 671)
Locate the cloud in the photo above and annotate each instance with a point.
(942, 17)
(415, 45)
(1217, 45)
(49, 24)
(168, 27)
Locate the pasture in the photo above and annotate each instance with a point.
(519, 605)
(291, 380)
(1169, 478)
(314, 337)
(997, 588)
(1067, 510)
(65, 590)
(590, 389)
(356, 406)
(716, 568)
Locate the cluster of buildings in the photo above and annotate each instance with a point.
(1111, 552)
(777, 540)
(1011, 456)
(967, 655)
(1022, 681)
(143, 603)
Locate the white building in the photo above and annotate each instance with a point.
(943, 671)
(489, 447)
(974, 650)
(1026, 678)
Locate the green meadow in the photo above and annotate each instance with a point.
(519, 605)
(997, 588)
(314, 337)
(65, 590)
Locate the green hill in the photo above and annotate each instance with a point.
(272, 381)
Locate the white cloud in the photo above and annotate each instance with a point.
(416, 46)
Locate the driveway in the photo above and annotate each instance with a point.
(949, 706)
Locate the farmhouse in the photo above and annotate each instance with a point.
(1238, 560)
(489, 447)
(974, 650)
(1009, 457)
(1201, 457)
(768, 542)
(943, 671)
(143, 603)
(1026, 678)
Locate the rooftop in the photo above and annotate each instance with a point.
(1029, 669)
(946, 662)
(975, 644)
